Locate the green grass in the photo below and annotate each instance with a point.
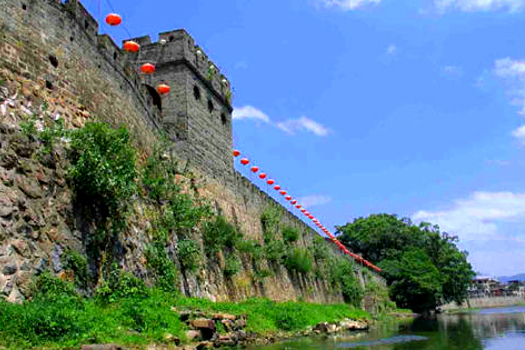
(59, 318)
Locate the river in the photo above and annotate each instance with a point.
(493, 329)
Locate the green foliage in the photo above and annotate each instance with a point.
(251, 247)
(320, 249)
(290, 234)
(416, 282)
(189, 254)
(219, 234)
(341, 273)
(77, 263)
(274, 251)
(232, 265)
(299, 260)
(50, 288)
(165, 271)
(387, 240)
(51, 134)
(103, 172)
(261, 274)
(28, 128)
(270, 220)
(121, 285)
(63, 323)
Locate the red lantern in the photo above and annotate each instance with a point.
(277, 187)
(307, 213)
(236, 153)
(303, 210)
(147, 68)
(288, 198)
(163, 89)
(270, 182)
(298, 206)
(293, 202)
(283, 192)
(245, 161)
(113, 19)
(131, 46)
(255, 169)
(262, 176)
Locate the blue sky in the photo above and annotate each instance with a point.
(366, 106)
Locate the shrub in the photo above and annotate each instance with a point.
(250, 247)
(320, 249)
(299, 260)
(219, 234)
(290, 234)
(232, 265)
(103, 170)
(77, 263)
(274, 250)
(343, 274)
(165, 271)
(50, 288)
(189, 254)
(270, 219)
(120, 285)
(262, 274)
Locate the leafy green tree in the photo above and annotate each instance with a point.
(439, 272)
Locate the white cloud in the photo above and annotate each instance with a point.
(291, 126)
(479, 216)
(347, 5)
(391, 50)
(250, 112)
(314, 200)
(512, 72)
(519, 133)
(479, 5)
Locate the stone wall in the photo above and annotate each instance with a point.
(54, 66)
(486, 302)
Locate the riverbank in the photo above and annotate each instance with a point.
(481, 303)
(134, 316)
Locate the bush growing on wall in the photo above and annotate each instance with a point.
(219, 234)
(103, 172)
(189, 254)
(290, 234)
(299, 260)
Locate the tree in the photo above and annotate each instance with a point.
(422, 265)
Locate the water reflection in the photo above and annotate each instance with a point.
(493, 329)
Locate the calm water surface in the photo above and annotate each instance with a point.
(493, 329)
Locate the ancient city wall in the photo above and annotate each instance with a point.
(54, 65)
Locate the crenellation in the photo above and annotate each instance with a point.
(83, 17)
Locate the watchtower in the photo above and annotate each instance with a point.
(196, 114)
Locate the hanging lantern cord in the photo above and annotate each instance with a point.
(123, 25)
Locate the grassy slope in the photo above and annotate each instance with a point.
(66, 322)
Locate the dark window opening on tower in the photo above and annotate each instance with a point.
(210, 106)
(155, 97)
(224, 120)
(196, 92)
(24, 7)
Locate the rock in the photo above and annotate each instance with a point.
(6, 209)
(203, 323)
(220, 316)
(10, 269)
(41, 266)
(102, 347)
(8, 287)
(353, 325)
(15, 296)
(225, 340)
(229, 325)
(8, 160)
(192, 335)
(171, 338)
(30, 187)
(204, 345)
(241, 335)
(241, 323)
(206, 326)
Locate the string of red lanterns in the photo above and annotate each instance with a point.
(262, 176)
(131, 46)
